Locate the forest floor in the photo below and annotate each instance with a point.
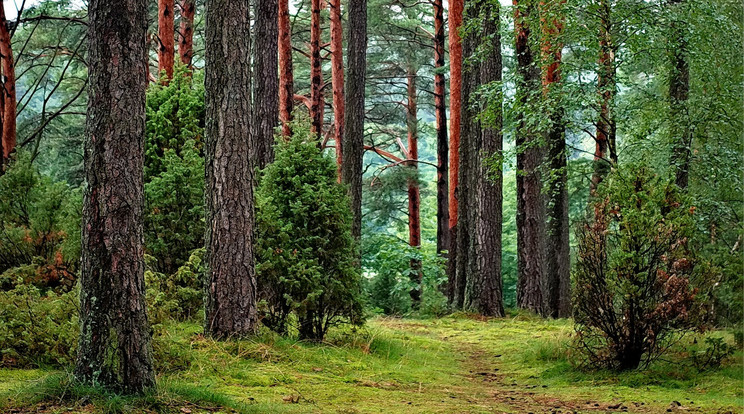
(458, 364)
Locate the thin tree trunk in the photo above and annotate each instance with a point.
(286, 77)
(490, 181)
(353, 145)
(679, 92)
(166, 36)
(455, 49)
(9, 88)
(337, 75)
(440, 109)
(530, 204)
(231, 282)
(414, 197)
(186, 40)
(266, 83)
(114, 347)
(605, 154)
(316, 70)
(557, 269)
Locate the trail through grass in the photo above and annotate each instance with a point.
(450, 365)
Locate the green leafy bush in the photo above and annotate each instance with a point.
(179, 295)
(39, 228)
(715, 352)
(637, 277)
(37, 329)
(305, 251)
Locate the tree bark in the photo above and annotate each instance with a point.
(605, 154)
(353, 145)
(530, 204)
(286, 77)
(316, 70)
(114, 346)
(231, 282)
(337, 79)
(558, 263)
(186, 40)
(9, 88)
(679, 92)
(266, 84)
(490, 178)
(455, 48)
(414, 197)
(466, 273)
(166, 36)
(440, 110)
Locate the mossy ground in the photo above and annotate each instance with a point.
(456, 364)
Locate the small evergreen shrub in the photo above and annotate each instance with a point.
(179, 295)
(637, 274)
(304, 249)
(36, 328)
(39, 229)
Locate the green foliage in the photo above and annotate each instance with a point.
(174, 170)
(305, 251)
(37, 329)
(637, 277)
(715, 352)
(40, 228)
(179, 295)
(387, 261)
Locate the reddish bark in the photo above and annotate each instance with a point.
(9, 88)
(414, 197)
(440, 109)
(337, 74)
(186, 42)
(455, 46)
(166, 33)
(286, 77)
(316, 72)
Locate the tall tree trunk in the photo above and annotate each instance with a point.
(316, 70)
(605, 154)
(455, 49)
(166, 35)
(530, 204)
(490, 178)
(679, 92)
(266, 83)
(286, 77)
(557, 269)
(353, 145)
(440, 110)
(114, 347)
(9, 88)
(231, 280)
(414, 197)
(466, 289)
(337, 75)
(186, 40)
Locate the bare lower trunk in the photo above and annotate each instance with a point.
(266, 84)
(440, 109)
(353, 145)
(679, 92)
(166, 33)
(316, 71)
(530, 204)
(414, 197)
(337, 75)
(231, 282)
(455, 49)
(114, 347)
(286, 77)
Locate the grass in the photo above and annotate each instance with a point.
(455, 364)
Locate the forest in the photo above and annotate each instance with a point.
(371, 206)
